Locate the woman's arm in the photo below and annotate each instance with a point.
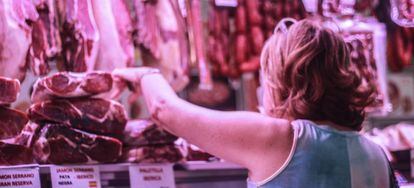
(245, 138)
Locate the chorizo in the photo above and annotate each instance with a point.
(241, 48)
(241, 19)
(251, 65)
(257, 37)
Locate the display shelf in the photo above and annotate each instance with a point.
(383, 121)
(187, 175)
(120, 167)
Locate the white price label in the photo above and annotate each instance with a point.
(75, 176)
(24, 177)
(152, 176)
(226, 3)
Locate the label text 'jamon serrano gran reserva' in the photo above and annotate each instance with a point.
(25, 177)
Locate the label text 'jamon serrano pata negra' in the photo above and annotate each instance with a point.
(75, 176)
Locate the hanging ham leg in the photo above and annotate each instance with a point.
(160, 33)
(45, 38)
(195, 24)
(15, 36)
(79, 35)
(116, 49)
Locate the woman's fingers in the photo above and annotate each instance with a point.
(130, 77)
(131, 74)
(119, 86)
(127, 74)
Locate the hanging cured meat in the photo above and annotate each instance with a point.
(160, 30)
(400, 48)
(15, 36)
(197, 38)
(361, 47)
(250, 42)
(367, 42)
(116, 49)
(145, 22)
(402, 12)
(334, 8)
(254, 23)
(46, 44)
(219, 42)
(79, 35)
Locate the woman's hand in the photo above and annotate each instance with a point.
(132, 76)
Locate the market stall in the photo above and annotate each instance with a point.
(65, 120)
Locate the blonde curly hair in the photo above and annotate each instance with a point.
(307, 75)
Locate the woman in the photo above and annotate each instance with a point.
(313, 107)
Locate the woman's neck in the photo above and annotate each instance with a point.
(333, 125)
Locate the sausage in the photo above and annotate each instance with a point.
(196, 25)
(251, 65)
(224, 68)
(217, 24)
(211, 21)
(257, 38)
(267, 7)
(225, 25)
(241, 48)
(279, 12)
(404, 48)
(270, 22)
(269, 33)
(211, 51)
(288, 9)
(224, 38)
(253, 15)
(241, 19)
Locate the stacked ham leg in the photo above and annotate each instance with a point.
(71, 124)
(11, 125)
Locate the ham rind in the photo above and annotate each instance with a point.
(79, 35)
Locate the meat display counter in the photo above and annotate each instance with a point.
(198, 174)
